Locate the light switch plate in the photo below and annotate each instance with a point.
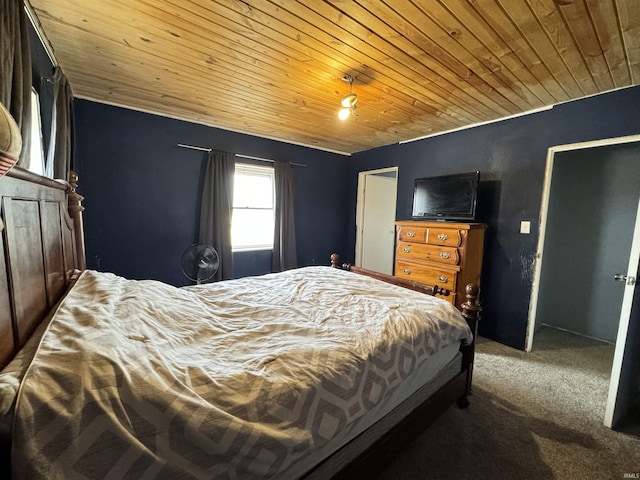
(525, 226)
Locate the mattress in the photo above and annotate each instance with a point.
(437, 371)
(249, 378)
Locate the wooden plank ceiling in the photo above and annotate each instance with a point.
(275, 68)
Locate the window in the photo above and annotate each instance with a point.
(36, 157)
(253, 208)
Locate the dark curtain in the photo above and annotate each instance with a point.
(59, 154)
(15, 70)
(284, 255)
(216, 209)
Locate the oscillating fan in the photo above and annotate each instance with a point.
(200, 262)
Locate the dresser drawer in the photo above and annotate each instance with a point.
(434, 253)
(444, 236)
(416, 234)
(427, 274)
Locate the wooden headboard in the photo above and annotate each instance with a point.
(42, 243)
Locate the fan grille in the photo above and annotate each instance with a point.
(200, 262)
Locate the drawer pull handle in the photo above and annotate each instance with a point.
(406, 271)
(406, 249)
(442, 236)
(445, 255)
(443, 279)
(411, 234)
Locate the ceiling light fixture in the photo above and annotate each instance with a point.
(349, 101)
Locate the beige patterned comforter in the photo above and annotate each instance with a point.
(238, 379)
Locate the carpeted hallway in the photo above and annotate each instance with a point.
(533, 415)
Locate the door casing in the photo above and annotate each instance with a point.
(360, 208)
(624, 323)
(544, 209)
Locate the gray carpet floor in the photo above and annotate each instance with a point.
(534, 415)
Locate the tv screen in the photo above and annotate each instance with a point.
(447, 197)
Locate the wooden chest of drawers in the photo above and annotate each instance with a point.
(436, 253)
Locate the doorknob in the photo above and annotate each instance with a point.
(621, 277)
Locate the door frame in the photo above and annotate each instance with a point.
(544, 208)
(360, 206)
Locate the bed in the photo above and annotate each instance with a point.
(317, 372)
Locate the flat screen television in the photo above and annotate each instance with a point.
(447, 197)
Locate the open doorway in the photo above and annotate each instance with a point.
(375, 216)
(587, 226)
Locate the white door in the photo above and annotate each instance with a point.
(625, 373)
(377, 212)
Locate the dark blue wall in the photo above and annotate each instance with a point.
(143, 192)
(511, 156)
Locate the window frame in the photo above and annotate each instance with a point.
(251, 169)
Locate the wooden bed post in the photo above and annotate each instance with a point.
(471, 313)
(335, 260)
(75, 212)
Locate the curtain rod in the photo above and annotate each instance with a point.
(239, 155)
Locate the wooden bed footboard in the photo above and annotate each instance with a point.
(418, 287)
